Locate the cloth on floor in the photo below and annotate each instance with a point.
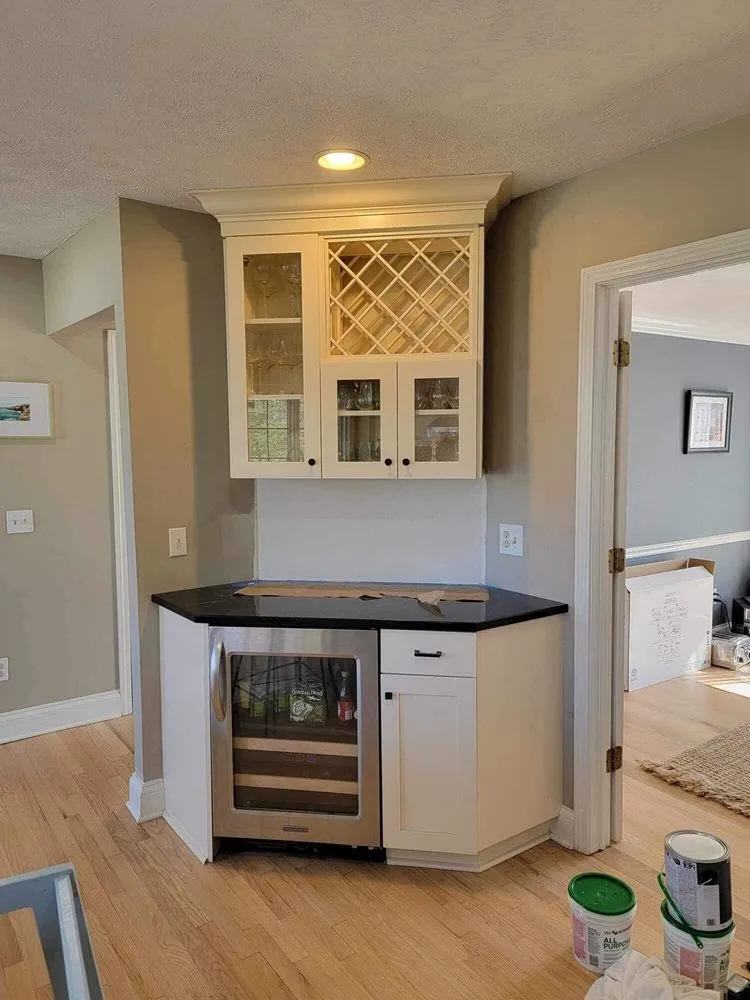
(635, 977)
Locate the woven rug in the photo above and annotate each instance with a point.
(718, 769)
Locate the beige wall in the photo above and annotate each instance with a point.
(57, 606)
(83, 275)
(687, 190)
(173, 294)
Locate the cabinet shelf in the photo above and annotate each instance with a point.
(274, 321)
(359, 413)
(437, 413)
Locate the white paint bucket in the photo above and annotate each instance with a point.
(603, 909)
(708, 966)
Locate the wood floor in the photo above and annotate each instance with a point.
(277, 928)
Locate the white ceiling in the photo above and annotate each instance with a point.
(709, 305)
(101, 98)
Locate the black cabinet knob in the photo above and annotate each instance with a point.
(405, 461)
(388, 695)
(311, 461)
(387, 461)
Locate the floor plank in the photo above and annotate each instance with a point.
(275, 928)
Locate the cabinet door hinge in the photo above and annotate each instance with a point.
(614, 759)
(621, 353)
(617, 560)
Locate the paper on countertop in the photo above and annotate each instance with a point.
(635, 977)
(429, 598)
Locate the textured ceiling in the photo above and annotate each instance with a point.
(148, 99)
(710, 305)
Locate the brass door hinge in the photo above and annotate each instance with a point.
(614, 759)
(617, 560)
(621, 353)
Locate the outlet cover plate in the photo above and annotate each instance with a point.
(511, 539)
(4, 668)
(177, 542)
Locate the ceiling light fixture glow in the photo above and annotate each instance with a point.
(341, 159)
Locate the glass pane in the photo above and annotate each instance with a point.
(295, 733)
(358, 402)
(436, 427)
(273, 344)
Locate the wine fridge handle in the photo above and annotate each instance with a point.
(218, 680)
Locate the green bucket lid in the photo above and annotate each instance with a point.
(603, 894)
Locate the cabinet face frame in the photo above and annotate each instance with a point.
(466, 370)
(236, 248)
(331, 372)
(459, 835)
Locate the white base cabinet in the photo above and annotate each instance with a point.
(471, 730)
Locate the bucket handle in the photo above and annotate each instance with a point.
(660, 878)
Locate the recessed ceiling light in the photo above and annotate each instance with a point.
(341, 159)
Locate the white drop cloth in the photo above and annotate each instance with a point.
(635, 977)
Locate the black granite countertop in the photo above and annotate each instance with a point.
(219, 606)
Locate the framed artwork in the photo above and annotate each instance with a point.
(708, 421)
(25, 410)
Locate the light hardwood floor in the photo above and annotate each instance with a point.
(278, 928)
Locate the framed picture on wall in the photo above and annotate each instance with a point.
(25, 410)
(708, 421)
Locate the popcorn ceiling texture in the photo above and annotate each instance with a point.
(150, 100)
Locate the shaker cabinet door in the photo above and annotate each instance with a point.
(358, 402)
(273, 347)
(429, 763)
(438, 419)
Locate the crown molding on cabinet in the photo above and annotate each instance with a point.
(430, 201)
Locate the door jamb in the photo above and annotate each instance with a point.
(594, 520)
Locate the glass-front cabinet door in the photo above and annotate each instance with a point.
(437, 420)
(358, 403)
(273, 337)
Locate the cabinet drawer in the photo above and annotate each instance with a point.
(434, 654)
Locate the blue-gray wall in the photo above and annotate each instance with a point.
(672, 496)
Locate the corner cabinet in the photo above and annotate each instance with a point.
(354, 327)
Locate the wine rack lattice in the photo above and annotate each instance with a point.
(403, 295)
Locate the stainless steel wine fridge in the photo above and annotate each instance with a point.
(295, 735)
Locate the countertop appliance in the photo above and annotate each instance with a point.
(295, 734)
(741, 615)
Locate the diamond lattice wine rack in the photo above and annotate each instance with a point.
(399, 296)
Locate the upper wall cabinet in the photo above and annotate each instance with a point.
(354, 326)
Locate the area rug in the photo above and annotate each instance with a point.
(718, 769)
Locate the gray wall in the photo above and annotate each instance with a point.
(673, 496)
(57, 605)
(689, 189)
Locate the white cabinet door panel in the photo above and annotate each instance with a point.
(428, 730)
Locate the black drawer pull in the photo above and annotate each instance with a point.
(434, 656)
(388, 695)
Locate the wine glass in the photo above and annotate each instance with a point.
(262, 274)
(293, 274)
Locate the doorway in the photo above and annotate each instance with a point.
(601, 525)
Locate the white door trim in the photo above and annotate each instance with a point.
(124, 539)
(595, 465)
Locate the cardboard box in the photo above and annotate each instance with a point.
(669, 619)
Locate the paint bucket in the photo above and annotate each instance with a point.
(702, 956)
(603, 909)
(699, 879)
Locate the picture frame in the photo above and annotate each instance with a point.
(708, 421)
(25, 409)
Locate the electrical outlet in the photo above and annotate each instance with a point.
(177, 542)
(511, 539)
(4, 668)
(19, 522)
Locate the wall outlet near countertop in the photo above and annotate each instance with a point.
(4, 668)
(177, 542)
(511, 539)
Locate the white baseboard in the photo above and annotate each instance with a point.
(145, 798)
(187, 840)
(40, 719)
(562, 829)
(487, 858)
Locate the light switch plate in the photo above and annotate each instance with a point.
(4, 668)
(511, 539)
(177, 542)
(19, 522)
